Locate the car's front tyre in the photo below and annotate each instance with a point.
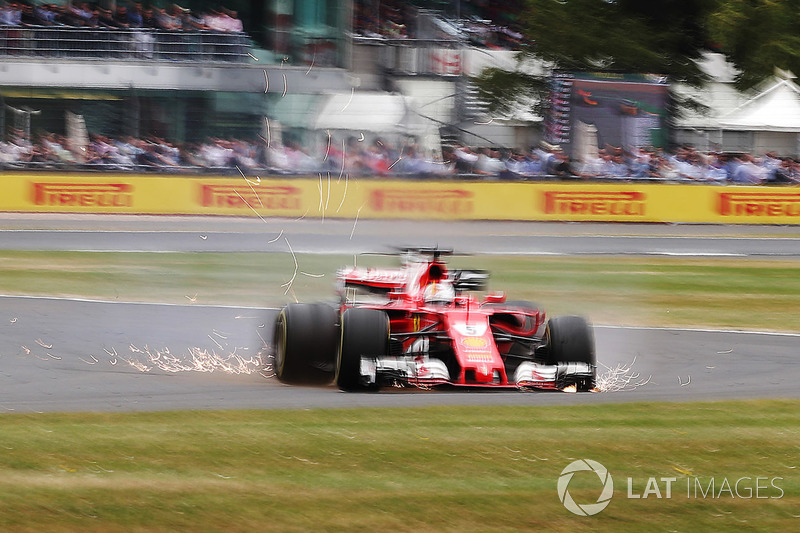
(364, 332)
(569, 339)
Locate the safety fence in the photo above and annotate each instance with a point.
(332, 197)
(141, 44)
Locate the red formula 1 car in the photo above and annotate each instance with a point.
(419, 326)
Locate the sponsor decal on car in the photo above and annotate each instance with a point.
(470, 330)
(623, 203)
(379, 277)
(759, 204)
(83, 194)
(477, 350)
(474, 342)
(276, 197)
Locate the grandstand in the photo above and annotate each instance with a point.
(300, 74)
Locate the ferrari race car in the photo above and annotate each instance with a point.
(418, 325)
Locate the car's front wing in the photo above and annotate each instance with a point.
(425, 371)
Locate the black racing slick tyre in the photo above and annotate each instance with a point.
(364, 332)
(306, 337)
(569, 339)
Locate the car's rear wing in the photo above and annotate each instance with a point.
(373, 280)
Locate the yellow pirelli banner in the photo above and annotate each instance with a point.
(346, 197)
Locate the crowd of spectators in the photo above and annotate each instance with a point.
(134, 15)
(379, 158)
(686, 163)
(128, 153)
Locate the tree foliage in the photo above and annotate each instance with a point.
(757, 36)
(658, 36)
(502, 90)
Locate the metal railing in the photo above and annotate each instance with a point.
(144, 44)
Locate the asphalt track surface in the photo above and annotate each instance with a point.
(217, 234)
(68, 355)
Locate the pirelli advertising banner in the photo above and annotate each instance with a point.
(344, 197)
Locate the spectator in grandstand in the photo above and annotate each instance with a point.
(142, 41)
(713, 168)
(80, 14)
(298, 160)
(149, 18)
(157, 155)
(192, 21)
(128, 150)
(121, 18)
(167, 20)
(230, 20)
(215, 153)
(594, 167)
(134, 16)
(519, 165)
(489, 163)
(105, 19)
(11, 14)
(547, 155)
(687, 164)
(413, 162)
(216, 21)
(245, 155)
(465, 159)
(638, 161)
(770, 162)
(787, 172)
(27, 16)
(44, 15)
(57, 145)
(386, 18)
(365, 21)
(661, 167)
(17, 149)
(376, 159)
(559, 164)
(747, 171)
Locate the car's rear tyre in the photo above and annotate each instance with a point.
(305, 339)
(569, 339)
(363, 332)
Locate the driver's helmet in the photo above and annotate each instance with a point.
(439, 292)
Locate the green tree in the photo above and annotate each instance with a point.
(658, 36)
(757, 36)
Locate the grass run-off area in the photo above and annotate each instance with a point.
(734, 464)
(636, 291)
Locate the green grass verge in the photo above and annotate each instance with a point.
(725, 293)
(426, 469)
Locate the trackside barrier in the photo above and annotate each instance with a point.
(335, 197)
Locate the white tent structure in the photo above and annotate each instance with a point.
(772, 114)
(765, 119)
